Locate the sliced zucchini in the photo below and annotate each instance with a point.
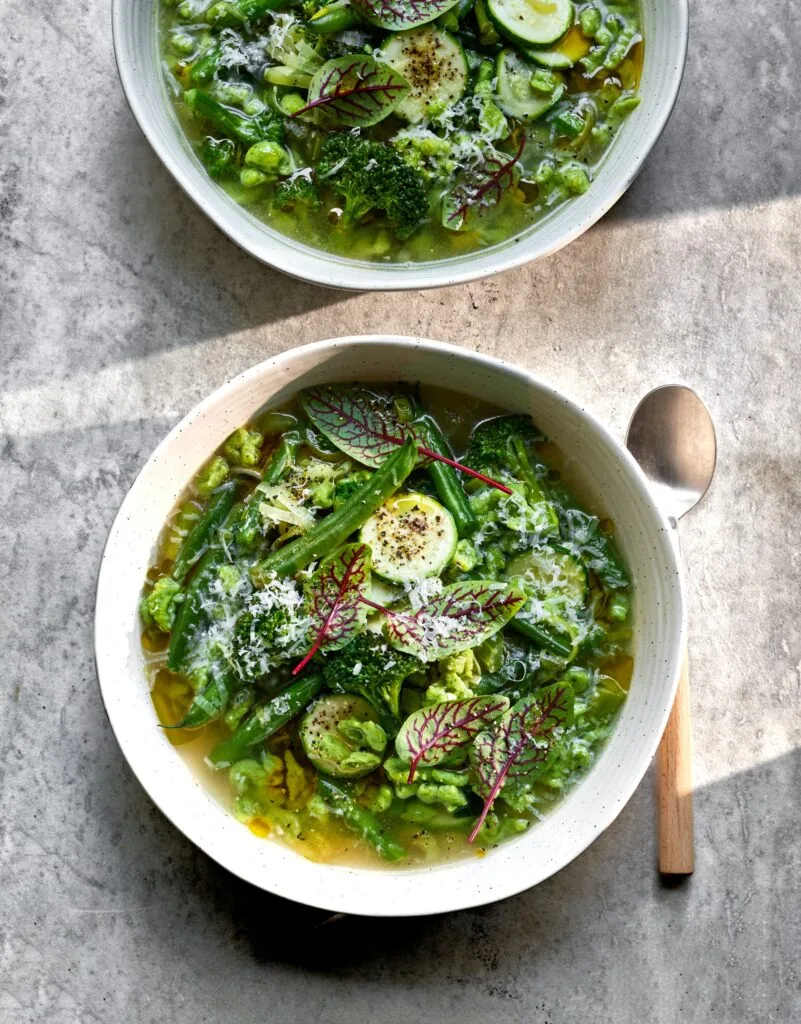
(517, 97)
(342, 736)
(411, 538)
(434, 65)
(549, 573)
(532, 22)
(569, 51)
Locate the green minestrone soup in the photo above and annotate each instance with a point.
(383, 626)
(410, 131)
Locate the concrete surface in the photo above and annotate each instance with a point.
(120, 306)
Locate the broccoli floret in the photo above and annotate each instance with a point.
(262, 640)
(212, 475)
(373, 176)
(369, 666)
(297, 193)
(243, 447)
(457, 678)
(270, 125)
(312, 482)
(218, 155)
(159, 606)
(349, 485)
(427, 153)
(503, 444)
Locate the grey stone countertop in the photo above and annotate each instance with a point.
(121, 306)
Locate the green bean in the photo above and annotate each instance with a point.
(445, 479)
(359, 820)
(335, 529)
(209, 704)
(230, 122)
(273, 423)
(337, 17)
(280, 461)
(203, 530)
(203, 69)
(547, 639)
(190, 611)
(225, 14)
(487, 33)
(463, 8)
(265, 720)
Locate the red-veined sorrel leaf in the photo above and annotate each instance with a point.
(464, 615)
(521, 744)
(397, 15)
(358, 91)
(334, 599)
(433, 733)
(484, 187)
(364, 425)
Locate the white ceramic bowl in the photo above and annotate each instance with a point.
(609, 473)
(135, 45)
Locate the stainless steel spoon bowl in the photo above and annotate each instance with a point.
(672, 436)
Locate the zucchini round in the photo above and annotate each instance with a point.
(411, 537)
(568, 52)
(532, 22)
(330, 749)
(551, 573)
(516, 96)
(435, 66)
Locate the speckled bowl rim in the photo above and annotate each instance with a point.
(516, 865)
(663, 70)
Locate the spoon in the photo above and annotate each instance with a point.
(672, 437)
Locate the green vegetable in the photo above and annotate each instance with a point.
(361, 821)
(280, 461)
(201, 534)
(531, 24)
(267, 126)
(341, 736)
(266, 719)
(368, 666)
(219, 155)
(333, 18)
(333, 531)
(373, 177)
(230, 13)
(159, 606)
(213, 475)
(522, 91)
(433, 63)
(297, 194)
(491, 118)
(412, 537)
(445, 478)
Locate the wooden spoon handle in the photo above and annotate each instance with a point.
(676, 855)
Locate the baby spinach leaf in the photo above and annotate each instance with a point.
(364, 425)
(397, 15)
(356, 90)
(333, 599)
(521, 744)
(433, 733)
(462, 616)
